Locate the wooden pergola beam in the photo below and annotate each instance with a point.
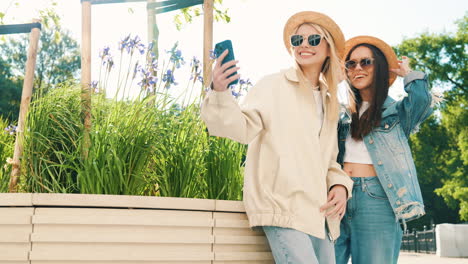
(34, 36)
(86, 75)
(19, 28)
(172, 5)
(207, 42)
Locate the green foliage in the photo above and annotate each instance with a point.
(58, 60)
(142, 145)
(178, 161)
(49, 17)
(428, 146)
(11, 93)
(187, 15)
(122, 136)
(440, 149)
(7, 140)
(455, 189)
(4, 14)
(58, 56)
(52, 142)
(224, 160)
(442, 56)
(136, 149)
(123, 139)
(189, 163)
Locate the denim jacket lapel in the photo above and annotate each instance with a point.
(388, 107)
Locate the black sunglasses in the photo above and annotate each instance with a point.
(314, 40)
(352, 64)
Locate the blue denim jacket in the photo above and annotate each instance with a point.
(388, 146)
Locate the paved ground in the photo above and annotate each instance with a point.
(418, 258)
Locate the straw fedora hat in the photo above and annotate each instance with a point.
(381, 45)
(316, 18)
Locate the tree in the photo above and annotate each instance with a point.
(10, 88)
(58, 57)
(430, 140)
(442, 56)
(441, 150)
(455, 189)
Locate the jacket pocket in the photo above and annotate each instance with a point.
(287, 182)
(268, 164)
(387, 123)
(390, 135)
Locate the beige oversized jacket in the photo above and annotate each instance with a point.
(290, 163)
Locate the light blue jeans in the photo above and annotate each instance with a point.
(295, 247)
(369, 230)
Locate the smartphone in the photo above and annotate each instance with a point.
(219, 49)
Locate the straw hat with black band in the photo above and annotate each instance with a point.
(315, 18)
(381, 45)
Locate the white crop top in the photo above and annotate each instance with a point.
(356, 151)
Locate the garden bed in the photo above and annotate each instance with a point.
(75, 228)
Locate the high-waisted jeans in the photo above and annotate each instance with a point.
(370, 233)
(290, 246)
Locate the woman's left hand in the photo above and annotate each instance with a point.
(337, 198)
(404, 68)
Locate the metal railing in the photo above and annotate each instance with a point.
(420, 241)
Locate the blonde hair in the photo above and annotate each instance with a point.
(331, 70)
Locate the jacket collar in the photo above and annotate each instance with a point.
(291, 75)
(388, 102)
(387, 108)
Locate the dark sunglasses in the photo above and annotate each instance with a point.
(314, 40)
(365, 63)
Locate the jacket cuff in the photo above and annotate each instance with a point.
(414, 75)
(346, 182)
(220, 98)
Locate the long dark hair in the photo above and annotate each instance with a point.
(379, 92)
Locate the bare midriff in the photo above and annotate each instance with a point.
(359, 170)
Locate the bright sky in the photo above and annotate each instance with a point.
(256, 26)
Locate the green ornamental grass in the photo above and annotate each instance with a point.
(7, 141)
(147, 143)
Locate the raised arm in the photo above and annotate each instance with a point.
(221, 113)
(416, 106)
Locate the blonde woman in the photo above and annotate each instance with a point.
(293, 187)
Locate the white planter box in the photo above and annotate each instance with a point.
(452, 240)
(105, 229)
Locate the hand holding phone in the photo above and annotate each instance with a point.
(229, 58)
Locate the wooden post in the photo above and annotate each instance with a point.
(24, 107)
(207, 42)
(86, 75)
(153, 30)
